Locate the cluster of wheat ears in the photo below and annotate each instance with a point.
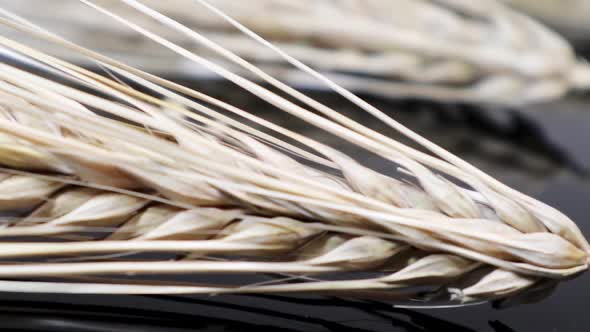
(134, 175)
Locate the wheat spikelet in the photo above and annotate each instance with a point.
(447, 50)
(176, 175)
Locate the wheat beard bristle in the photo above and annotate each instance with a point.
(115, 172)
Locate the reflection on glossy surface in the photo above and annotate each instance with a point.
(229, 316)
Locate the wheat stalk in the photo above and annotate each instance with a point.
(446, 50)
(168, 173)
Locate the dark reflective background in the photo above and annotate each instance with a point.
(542, 150)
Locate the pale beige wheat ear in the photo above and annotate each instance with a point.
(126, 224)
(274, 189)
(480, 51)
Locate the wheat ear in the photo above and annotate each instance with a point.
(446, 50)
(186, 154)
(125, 224)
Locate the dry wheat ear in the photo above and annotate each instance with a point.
(106, 179)
(480, 51)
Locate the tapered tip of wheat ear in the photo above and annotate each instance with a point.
(105, 181)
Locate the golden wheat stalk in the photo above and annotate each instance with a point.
(171, 172)
(448, 50)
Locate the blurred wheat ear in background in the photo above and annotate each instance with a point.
(570, 20)
(128, 183)
(478, 51)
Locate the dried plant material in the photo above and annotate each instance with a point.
(21, 192)
(278, 231)
(381, 187)
(498, 283)
(570, 19)
(321, 245)
(432, 266)
(62, 204)
(448, 50)
(21, 155)
(170, 175)
(164, 222)
(362, 252)
(102, 210)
